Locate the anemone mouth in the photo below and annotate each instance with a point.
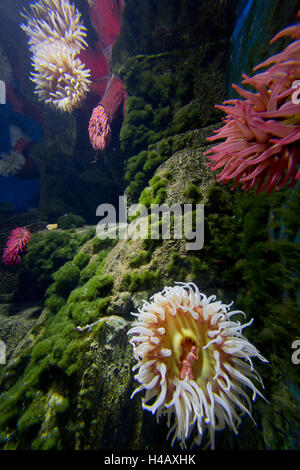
(192, 362)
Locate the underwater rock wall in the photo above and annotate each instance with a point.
(161, 26)
(174, 71)
(257, 22)
(66, 388)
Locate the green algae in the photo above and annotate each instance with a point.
(193, 193)
(250, 255)
(66, 279)
(46, 253)
(143, 257)
(40, 401)
(70, 220)
(81, 260)
(140, 280)
(168, 94)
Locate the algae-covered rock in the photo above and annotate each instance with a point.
(16, 320)
(68, 382)
(103, 405)
(73, 374)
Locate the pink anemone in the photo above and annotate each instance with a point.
(104, 113)
(262, 132)
(106, 16)
(16, 244)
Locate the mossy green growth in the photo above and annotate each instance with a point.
(140, 280)
(33, 415)
(193, 193)
(219, 199)
(197, 266)
(140, 168)
(86, 311)
(35, 405)
(168, 94)
(98, 286)
(66, 279)
(46, 253)
(176, 268)
(99, 244)
(54, 358)
(159, 88)
(165, 147)
(141, 258)
(156, 192)
(154, 159)
(81, 260)
(88, 271)
(54, 302)
(70, 220)
(93, 267)
(135, 131)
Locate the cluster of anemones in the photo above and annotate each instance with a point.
(16, 244)
(11, 163)
(262, 147)
(193, 362)
(56, 37)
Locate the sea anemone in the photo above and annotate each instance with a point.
(99, 128)
(52, 20)
(16, 243)
(56, 37)
(11, 163)
(193, 362)
(262, 146)
(103, 114)
(61, 79)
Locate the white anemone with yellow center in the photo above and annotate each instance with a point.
(192, 362)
